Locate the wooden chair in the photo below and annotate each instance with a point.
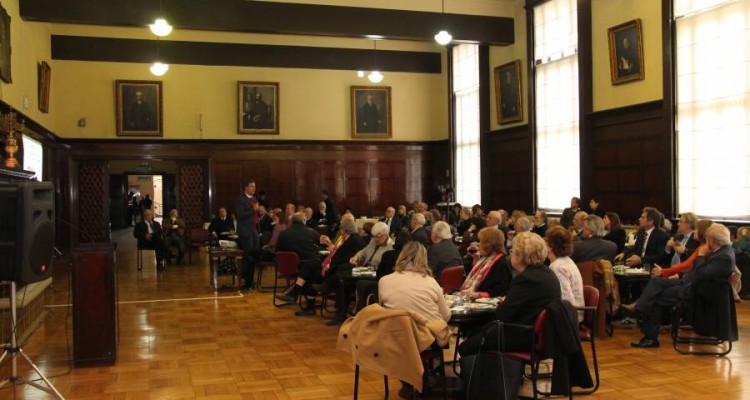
(198, 238)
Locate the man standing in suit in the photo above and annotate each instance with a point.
(149, 235)
(713, 264)
(393, 222)
(247, 230)
(650, 241)
(592, 246)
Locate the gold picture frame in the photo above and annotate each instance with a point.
(258, 105)
(508, 96)
(626, 52)
(139, 108)
(5, 49)
(371, 112)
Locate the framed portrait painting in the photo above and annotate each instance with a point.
(4, 45)
(626, 52)
(508, 97)
(371, 112)
(45, 78)
(258, 107)
(139, 108)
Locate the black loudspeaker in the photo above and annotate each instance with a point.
(27, 231)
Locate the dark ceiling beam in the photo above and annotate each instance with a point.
(247, 55)
(270, 17)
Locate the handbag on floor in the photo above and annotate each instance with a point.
(491, 375)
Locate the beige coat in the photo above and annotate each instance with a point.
(389, 341)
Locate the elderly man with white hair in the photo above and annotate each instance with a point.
(443, 253)
(418, 232)
(714, 263)
(371, 254)
(592, 246)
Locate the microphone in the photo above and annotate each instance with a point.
(85, 234)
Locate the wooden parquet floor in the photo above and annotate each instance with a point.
(178, 341)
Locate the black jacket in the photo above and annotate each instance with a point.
(218, 226)
(441, 255)
(140, 231)
(299, 239)
(618, 236)
(563, 345)
(348, 249)
(420, 235)
(656, 252)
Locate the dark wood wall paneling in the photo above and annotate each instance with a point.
(272, 17)
(367, 176)
(246, 55)
(630, 165)
(507, 169)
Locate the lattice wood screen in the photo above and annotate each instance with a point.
(192, 193)
(93, 202)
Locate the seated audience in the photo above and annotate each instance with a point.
(401, 213)
(464, 221)
(443, 253)
(742, 243)
(319, 217)
(343, 249)
(411, 286)
(577, 228)
(650, 243)
(299, 239)
(715, 262)
(595, 207)
(309, 218)
(368, 288)
(615, 232)
(453, 215)
(149, 235)
(418, 232)
(175, 234)
(566, 220)
(265, 222)
(560, 246)
(530, 292)
(221, 226)
(490, 275)
(700, 236)
(370, 256)
(592, 246)
(684, 243)
(540, 223)
(390, 219)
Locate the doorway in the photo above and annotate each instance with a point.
(149, 187)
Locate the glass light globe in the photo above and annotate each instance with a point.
(159, 69)
(360, 74)
(375, 77)
(160, 27)
(443, 37)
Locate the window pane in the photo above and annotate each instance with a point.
(466, 92)
(713, 71)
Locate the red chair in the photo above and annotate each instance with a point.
(287, 268)
(533, 357)
(451, 278)
(587, 329)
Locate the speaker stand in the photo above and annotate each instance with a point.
(13, 350)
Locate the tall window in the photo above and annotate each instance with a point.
(713, 107)
(556, 72)
(466, 94)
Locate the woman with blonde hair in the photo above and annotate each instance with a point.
(411, 286)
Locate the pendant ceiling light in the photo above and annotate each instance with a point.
(160, 27)
(443, 37)
(158, 68)
(375, 76)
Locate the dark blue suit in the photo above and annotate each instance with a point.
(248, 235)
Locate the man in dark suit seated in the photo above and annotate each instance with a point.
(221, 226)
(713, 264)
(685, 242)
(300, 239)
(393, 222)
(175, 234)
(443, 253)
(351, 244)
(566, 220)
(650, 241)
(418, 232)
(592, 246)
(149, 235)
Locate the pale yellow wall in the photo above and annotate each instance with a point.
(506, 54)
(314, 104)
(29, 45)
(606, 14)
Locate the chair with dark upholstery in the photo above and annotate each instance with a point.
(287, 268)
(198, 238)
(451, 278)
(587, 329)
